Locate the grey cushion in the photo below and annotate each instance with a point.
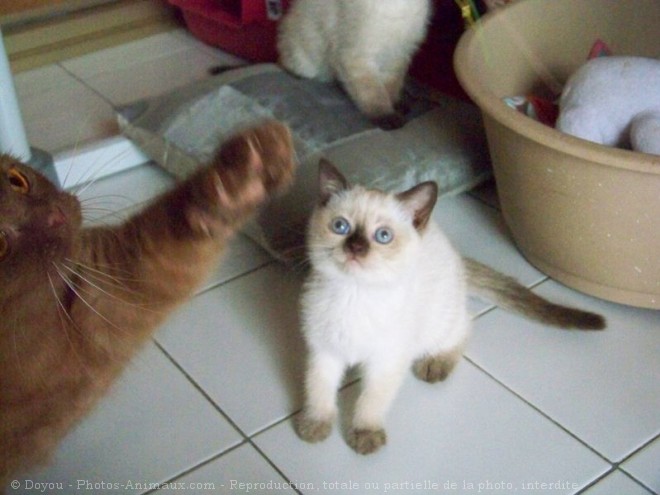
(443, 139)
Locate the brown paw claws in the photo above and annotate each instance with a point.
(433, 369)
(262, 154)
(366, 441)
(312, 430)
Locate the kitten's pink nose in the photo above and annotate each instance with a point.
(56, 218)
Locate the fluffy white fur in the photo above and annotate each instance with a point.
(400, 303)
(366, 44)
(390, 305)
(614, 101)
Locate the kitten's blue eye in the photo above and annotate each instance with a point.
(384, 235)
(340, 226)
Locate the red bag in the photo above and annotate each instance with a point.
(246, 28)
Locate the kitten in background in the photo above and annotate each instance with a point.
(387, 291)
(365, 44)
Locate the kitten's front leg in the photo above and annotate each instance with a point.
(395, 81)
(324, 374)
(364, 85)
(380, 385)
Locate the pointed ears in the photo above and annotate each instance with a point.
(331, 181)
(419, 201)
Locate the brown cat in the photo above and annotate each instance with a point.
(76, 304)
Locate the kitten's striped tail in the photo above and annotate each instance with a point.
(511, 295)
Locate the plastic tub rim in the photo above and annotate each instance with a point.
(495, 108)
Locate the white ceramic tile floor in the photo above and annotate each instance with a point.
(208, 406)
(61, 112)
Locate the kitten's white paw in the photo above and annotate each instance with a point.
(364, 441)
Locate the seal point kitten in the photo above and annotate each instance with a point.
(78, 303)
(366, 45)
(388, 292)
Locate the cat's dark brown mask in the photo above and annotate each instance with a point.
(366, 233)
(38, 222)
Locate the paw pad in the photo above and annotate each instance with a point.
(365, 441)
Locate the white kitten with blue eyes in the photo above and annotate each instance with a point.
(377, 296)
(387, 291)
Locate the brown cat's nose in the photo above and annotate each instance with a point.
(56, 218)
(357, 245)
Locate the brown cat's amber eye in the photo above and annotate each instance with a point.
(18, 181)
(4, 245)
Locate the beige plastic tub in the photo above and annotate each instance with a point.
(585, 214)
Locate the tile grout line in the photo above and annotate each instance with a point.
(199, 388)
(597, 480)
(614, 466)
(194, 468)
(630, 456)
(222, 283)
(635, 480)
(292, 485)
(638, 482)
(185, 46)
(278, 423)
(540, 411)
(247, 440)
(84, 83)
(639, 449)
(295, 412)
(130, 154)
(289, 416)
(97, 92)
(612, 471)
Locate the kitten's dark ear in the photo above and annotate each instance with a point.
(331, 181)
(420, 201)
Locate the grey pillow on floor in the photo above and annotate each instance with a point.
(443, 139)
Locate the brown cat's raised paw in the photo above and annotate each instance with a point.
(312, 430)
(365, 441)
(264, 152)
(247, 169)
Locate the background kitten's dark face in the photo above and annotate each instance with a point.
(38, 223)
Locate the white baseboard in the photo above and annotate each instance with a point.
(97, 160)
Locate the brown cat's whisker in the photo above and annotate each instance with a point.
(100, 273)
(77, 290)
(83, 124)
(88, 279)
(105, 197)
(94, 171)
(62, 314)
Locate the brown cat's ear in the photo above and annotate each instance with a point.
(420, 201)
(331, 181)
